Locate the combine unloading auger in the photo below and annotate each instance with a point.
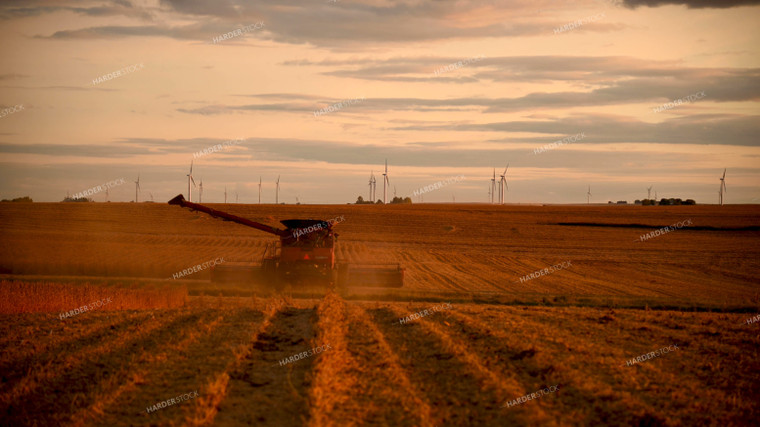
(305, 253)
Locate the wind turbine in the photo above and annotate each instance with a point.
(649, 192)
(225, 194)
(151, 196)
(259, 189)
(200, 192)
(722, 187)
(371, 177)
(489, 194)
(137, 186)
(386, 183)
(190, 179)
(394, 191)
(277, 192)
(374, 187)
(588, 195)
(493, 186)
(502, 185)
(67, 196)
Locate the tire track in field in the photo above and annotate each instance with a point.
(260, 391)
(155, 378)
(352, 385)
(557, 353)
(78, 370)
(23, 377)
(475, 349)
(441, 375)
(385, 378)
(49, 349)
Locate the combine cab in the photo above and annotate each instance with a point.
(304, 254)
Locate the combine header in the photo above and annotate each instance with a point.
(304, 253)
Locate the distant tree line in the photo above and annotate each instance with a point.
(78, 199)
(360, 201)
(665, 202)
(25, 199)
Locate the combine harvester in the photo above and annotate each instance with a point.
(298, 257)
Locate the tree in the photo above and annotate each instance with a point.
(25, 199)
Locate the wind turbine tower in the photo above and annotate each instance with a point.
(225, 194)
(503, 186)
(371, 177)
(588, 195)
(649, 192)
(493, 186)
(137, 186)
(277, 192)
(200, 192)
(189, 180)
(722, 187)
(259, 189)
(386, 183)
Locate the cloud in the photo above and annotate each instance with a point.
(692, 4)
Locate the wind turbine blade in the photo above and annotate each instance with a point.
(191, 167)
(191, 179)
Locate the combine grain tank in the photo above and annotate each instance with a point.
(305, 252)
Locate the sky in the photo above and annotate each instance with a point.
(660, 94)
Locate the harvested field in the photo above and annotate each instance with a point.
(490, 340)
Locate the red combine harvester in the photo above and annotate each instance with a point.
(305, 256)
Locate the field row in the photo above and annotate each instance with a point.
(449, 365)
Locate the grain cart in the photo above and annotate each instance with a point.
(305, 252)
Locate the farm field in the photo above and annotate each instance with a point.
(459, 366)
(487, 339)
